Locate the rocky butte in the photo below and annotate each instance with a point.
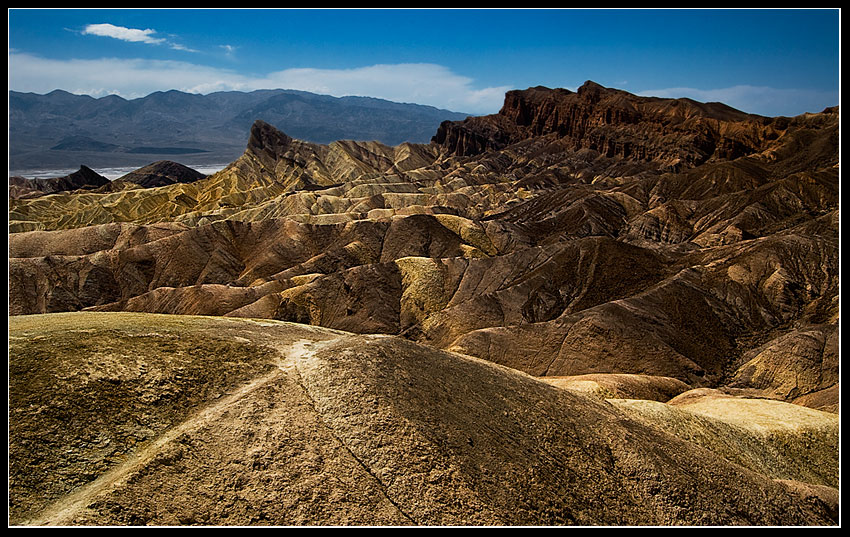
(591, 308)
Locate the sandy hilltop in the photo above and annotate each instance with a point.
(592, 308)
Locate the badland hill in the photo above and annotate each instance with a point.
(580, 269)
(84, 178)
(169, 419)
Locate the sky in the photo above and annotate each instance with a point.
(763, 61)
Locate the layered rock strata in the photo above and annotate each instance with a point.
(573, 233)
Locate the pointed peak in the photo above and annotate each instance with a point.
(591, 88)
(590, 84)
(266, 137)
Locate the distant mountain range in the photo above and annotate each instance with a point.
(61, 129)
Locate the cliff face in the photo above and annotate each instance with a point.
(672, 133)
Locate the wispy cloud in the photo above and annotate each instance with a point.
(104, 76)
(421, 83)
(133, 35)
(124, 34)
(762, 100)
(177, 46)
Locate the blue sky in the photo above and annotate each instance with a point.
(769, 62)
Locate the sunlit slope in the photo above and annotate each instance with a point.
(148, 419)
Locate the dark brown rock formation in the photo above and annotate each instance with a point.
(672, 133)
(163, 172)
(85, 177)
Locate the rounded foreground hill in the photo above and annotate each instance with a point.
(140, 419)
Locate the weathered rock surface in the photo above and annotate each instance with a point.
(773, 438)
(627, 248)
(622, 386)
(544, 249)
(799, 366)
(673, 133)
(141, 419)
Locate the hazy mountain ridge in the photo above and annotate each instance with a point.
(63, 129)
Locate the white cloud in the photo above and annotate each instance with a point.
(128, 78)
(132, 35)
(177, 46)
(420, 83)
(760, 100)
(124, 34)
